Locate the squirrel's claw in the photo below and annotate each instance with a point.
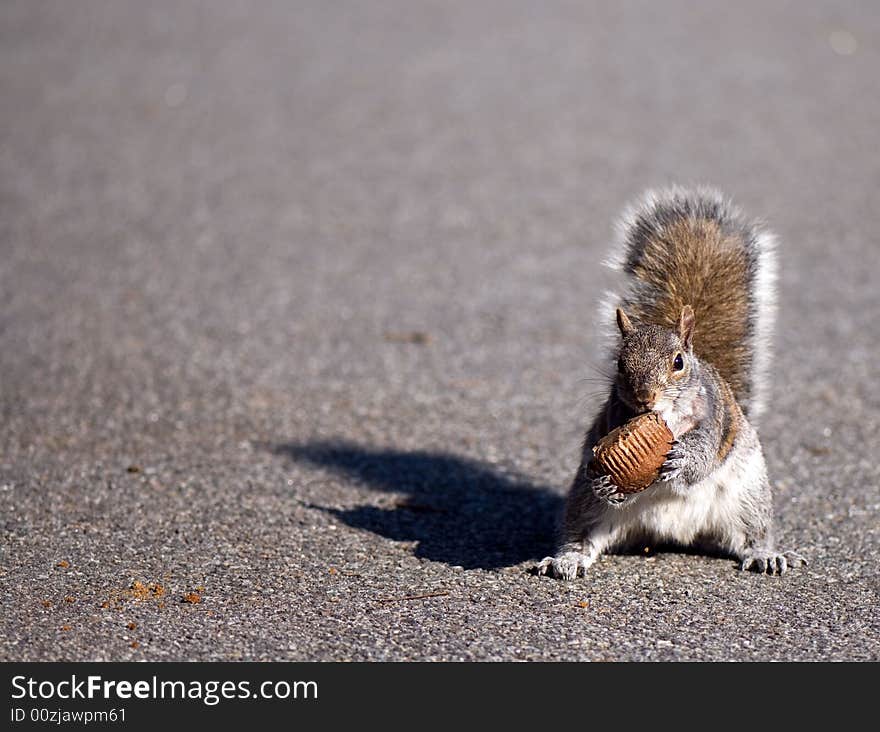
(794, 558)
(607, 491)
(673, 465)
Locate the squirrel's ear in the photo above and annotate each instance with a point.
(623, 322)
(686, 325)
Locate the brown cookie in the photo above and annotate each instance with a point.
(632, 454)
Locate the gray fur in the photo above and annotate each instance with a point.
(713, 488)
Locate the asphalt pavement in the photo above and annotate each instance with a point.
(297, 327)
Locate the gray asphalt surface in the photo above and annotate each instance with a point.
(296, 320)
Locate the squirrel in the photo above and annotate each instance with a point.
(695, 320)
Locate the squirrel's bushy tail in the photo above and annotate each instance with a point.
(692, 247)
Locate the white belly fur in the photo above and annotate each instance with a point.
(712, 507)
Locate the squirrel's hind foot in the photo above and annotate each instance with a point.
(567, 566)
(770, 562)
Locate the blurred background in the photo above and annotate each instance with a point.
(288, 287)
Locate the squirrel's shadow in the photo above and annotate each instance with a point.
(460, 511)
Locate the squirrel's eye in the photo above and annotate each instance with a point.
(620, 364)
(678, 363)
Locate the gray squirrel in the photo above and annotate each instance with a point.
(695, 319)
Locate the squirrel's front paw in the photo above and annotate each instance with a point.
(566, 566)
(671, 469)
(607, 491)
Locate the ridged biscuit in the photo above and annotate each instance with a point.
(632, 454)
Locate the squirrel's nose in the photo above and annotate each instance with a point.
(648, 399)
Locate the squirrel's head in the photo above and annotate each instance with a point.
(655, 362)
